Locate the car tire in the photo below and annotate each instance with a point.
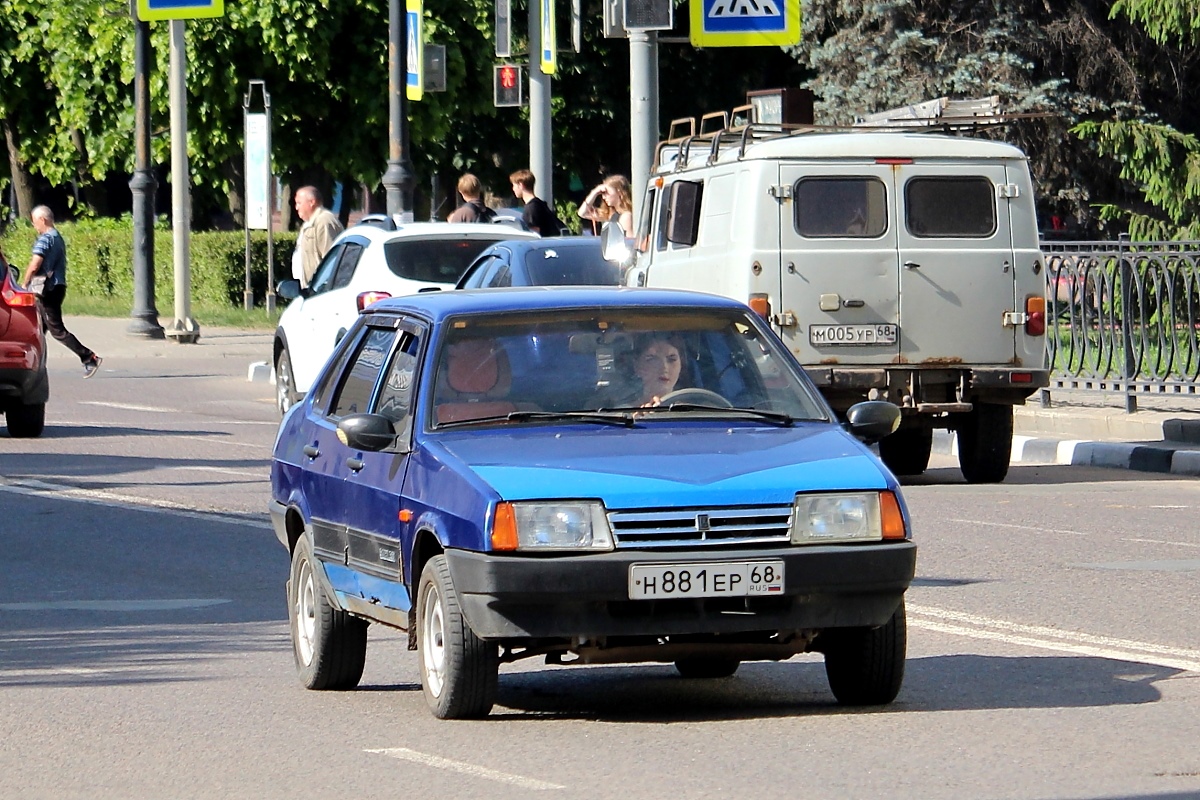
(906, 452)
(25, 421)
(459, 671)
(865, 666)
(707, 666)
(329, 644)
(985, 443)
(285, 382)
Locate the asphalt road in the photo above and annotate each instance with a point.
(1054, 642)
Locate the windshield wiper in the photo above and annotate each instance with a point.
(775, 417)
(620, 420)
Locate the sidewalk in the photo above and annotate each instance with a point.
(1079, 428)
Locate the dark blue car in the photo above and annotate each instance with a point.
(592, 475)
(552, 261)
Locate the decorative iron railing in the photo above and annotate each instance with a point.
(1123, 317)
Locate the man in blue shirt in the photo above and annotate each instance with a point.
(46, 276)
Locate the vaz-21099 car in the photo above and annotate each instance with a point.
(587, 475)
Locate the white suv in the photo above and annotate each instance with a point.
(368, 262)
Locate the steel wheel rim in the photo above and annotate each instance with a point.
(306, 614)
(433, 654)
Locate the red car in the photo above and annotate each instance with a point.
(24, 382)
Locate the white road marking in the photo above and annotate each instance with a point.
(35, 488)
(1032, 528)
(264, 473)
(1160, 541)
(978, 627)
(115, 605)
(129, 407)
(437, 762)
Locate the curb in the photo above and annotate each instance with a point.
(1162, 458)
(260, 372)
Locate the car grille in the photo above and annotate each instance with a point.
(692, 527)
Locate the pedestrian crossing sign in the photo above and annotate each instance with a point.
(745, 23)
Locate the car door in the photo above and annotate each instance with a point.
(326, 313)
(957, 275)
(839, 264)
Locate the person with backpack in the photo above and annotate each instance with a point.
(537, 215)
(473, 208)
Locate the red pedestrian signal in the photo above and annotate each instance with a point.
(509, 85)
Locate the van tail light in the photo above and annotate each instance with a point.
(1035, 316)
(760, 304)
(15, 297)
(367, 298)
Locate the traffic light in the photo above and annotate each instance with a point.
(509, 85)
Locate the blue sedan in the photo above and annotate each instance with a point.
(585, 475)
(552, 261)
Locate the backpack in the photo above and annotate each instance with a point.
(485, 213)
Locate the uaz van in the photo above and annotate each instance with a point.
(897, 266)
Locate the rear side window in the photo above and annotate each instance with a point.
(961, 207)
(362, 373)
(840, 207)
(432, 260)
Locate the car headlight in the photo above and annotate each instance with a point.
(822, 518)
(547, 526)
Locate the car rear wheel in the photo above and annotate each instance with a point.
(459, 671)
(330, 646)
(865, 666)
(707, 666)
(285, 382)
(26, 421)
(906, 452)
(985, 443)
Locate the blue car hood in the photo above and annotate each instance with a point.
(663, 464)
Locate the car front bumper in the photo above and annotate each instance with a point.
(507, 597)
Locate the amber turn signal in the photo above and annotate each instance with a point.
(890, 516)
(504, 528)
(760, 304)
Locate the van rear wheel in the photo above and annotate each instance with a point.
(985, 443)
(906, 452)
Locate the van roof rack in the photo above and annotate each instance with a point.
(739, 127)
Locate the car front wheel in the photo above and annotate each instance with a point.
(26, 421)
(330, 645)
(459, 671)
(865, 666)
(285, 382)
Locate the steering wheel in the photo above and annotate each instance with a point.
(693, 394)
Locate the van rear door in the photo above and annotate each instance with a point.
(840, 265)
(957, 273)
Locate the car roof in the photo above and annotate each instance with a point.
(436, 306)
(381, 230)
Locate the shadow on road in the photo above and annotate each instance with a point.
(1039, 474)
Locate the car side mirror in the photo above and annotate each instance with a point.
(613, 246)
(872, 420)
(371, 432)
(289, 289)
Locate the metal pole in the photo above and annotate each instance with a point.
(184, 329)
(643, 110)
(144, 314)
(398, 179)
(271, 198)
(541, 162)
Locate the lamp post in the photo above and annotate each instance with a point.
(144, 314)
(398, 179)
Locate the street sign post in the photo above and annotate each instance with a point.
(152, 10)
(549, 46)
(745, 23)
(415, 82)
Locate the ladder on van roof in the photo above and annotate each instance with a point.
(719, 132)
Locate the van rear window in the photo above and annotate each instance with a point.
(840, 207)
(950, 207)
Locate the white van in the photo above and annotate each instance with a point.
(897, 266)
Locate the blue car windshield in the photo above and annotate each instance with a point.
(697, 361)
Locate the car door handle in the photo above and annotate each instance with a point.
(911, 265)
(311, 450)
(355, 464)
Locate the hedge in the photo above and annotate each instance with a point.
(100, 261)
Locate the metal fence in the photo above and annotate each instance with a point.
(1123, 317)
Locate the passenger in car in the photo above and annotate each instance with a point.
(474, 380)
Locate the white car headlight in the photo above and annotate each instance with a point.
(545, 526)
(822, 518)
